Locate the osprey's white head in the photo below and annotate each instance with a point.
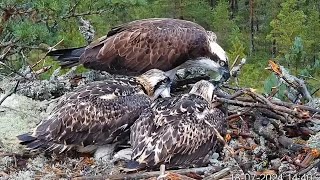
(204, 89)
(216, 60)
(156, 83)
(219, 58)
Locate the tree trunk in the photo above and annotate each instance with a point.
(233, 7)
(274, 49)
(257, 25)
(252, 48)
(212, 3)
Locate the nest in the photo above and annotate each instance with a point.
(266, 137)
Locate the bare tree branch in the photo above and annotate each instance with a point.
(83, 14)
(14, 89)
(49, 50)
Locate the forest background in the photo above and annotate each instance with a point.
(287, 31)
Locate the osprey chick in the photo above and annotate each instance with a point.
(178, 131)
(97, 114)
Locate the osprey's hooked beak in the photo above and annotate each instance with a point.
(162, 91)
(209, 64)
(165, 93)
(224, 72)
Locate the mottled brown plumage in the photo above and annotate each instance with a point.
(97, 114)
(178, 131)
(138, 46)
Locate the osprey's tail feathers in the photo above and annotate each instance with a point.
(67, 57)
(30, 141)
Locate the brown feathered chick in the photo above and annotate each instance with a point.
(178, 131)
(97, 114)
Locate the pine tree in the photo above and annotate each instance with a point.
(222, 25)
(288, 24)
(312, 35)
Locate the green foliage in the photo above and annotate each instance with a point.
(311, 35)
(271, 82)
(222, 25)
(296, 54)
(228, 33)
(288, 24)
(28, 33)
(294, 26)
(237, 48)
(253, 74)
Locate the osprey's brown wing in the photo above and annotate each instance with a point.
(176, 137)
(145, 44)
(93, 115)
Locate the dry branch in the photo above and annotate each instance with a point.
(235, 70)
(10, 93)
(307, 169)
(5, 52)
(83, 14)
(219, 175)
(49, 50)
(289, 79)
(13, 70)
(142, 175)
(9, 43)
(291, 105)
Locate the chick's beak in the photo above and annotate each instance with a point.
(165, 93)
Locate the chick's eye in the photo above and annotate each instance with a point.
(167, 80)
(222, 63)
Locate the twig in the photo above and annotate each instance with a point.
(218, 175)
(275, 107)
(13, 90)
(86, 29)
(83, 14)
(283, 103)
(172, 176)
(230, 87)
(310, 77)
(23, 155)
(220, 93)
(292, 105)
(236, 69)
(5, 52)
(290, 144)
(12, 70)
(234, 62)
(9, 43)
(241, 103)
(143, 175)
(307, 169)
(72, 9)
(230, 149)
(49, 50)
(315, 91)
(42, 70)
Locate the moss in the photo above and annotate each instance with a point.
(18, 114)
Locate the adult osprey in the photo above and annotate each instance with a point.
(179, 131)
(97, 114)
(161, 43)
